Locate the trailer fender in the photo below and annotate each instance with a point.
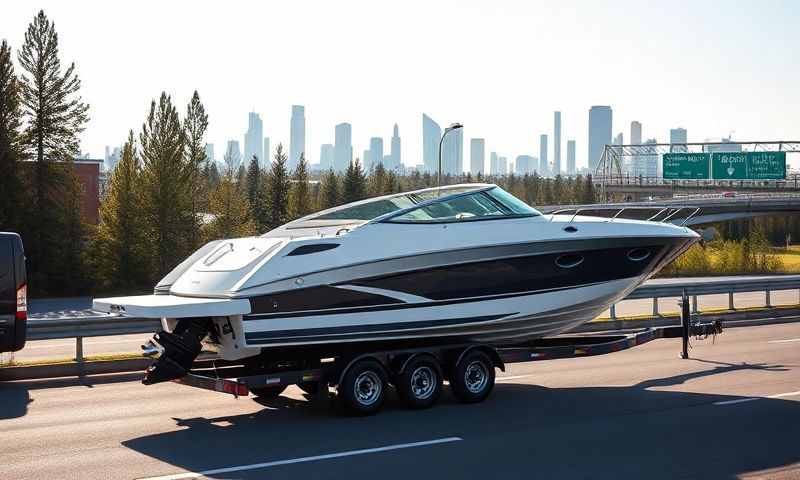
(352, 362)
(496, 360)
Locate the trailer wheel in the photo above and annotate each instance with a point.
(473, 377)
(268, 392)
(420, 384)
(363, 387)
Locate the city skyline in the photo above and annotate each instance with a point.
(508, 113)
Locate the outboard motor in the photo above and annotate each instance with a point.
(178, 349)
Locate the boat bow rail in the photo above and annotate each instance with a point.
(664, 213)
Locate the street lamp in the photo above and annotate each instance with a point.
(447, 130)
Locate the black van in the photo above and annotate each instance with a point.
(13, 293)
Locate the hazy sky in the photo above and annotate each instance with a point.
(499, 67)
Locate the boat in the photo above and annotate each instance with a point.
(463, 263)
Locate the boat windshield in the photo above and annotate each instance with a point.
(489, 204)
(373, 209)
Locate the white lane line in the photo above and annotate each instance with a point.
(789, 340)
(290, 461)
(752, 399)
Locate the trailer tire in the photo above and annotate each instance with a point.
(362, 390)
(268, 392)
(420, 384)
(473, 377)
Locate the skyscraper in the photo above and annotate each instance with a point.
(374, 155)
(636, 139)
(233, 155)
(210, 152)
(343, 147)
(477, 155)
(395, 152)
(297, 135)
(326, 156)
(600, 117)
(502, 165)
(254, 138)
(619, 139)
(678, 136)
(524, 164)
(556, 143)
(453, 153)
(571, 157)
(544, 168)
(431, 134)
(494, 165)
(266, 161)
(646, 164)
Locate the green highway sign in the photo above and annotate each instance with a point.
(685, 166)
(748, 165)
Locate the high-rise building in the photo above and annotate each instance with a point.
(112, 157)
(477, 155)
(297, 136)
(556, 143)
(600, 117)
(636, 133)
(374, 155)
(571, 157)
(678, 140)
(343, 147)
(502, 165)
(395, 150)
(724, 145)
(524, 164)
(544, 168)
(254, 138)
(431, 134)
(494, 165)
(619, 139)
(210, 152)
(326, 157)
(646, 164)
(267, 160)
(233, 155)
(453, 152)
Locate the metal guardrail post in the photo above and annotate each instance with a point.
(655, 307)
(768, 299)
(685, 321)
(694, 304)
(79, 353)
(613, 311)
(730, 301)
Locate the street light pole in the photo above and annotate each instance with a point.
(447, 130)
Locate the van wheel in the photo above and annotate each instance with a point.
(268, 392)
(473, 377)
(363, 387)
(420, 384)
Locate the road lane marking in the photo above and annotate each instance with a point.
(254, 466)
(752, 399)
(512, 377)
(785, 341)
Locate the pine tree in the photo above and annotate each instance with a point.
(253, 181)
(166, 189)
(275, 192)
(589, 195)
(378, 183)
(299, 195)
(328, 191)
(194, 129)
(10, 122)
(354, 185)
(119, 245)
(228, 203)
(54, 116)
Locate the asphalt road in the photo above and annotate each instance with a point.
(732, 411)
(65, 348)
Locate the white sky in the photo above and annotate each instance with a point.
(499, 67)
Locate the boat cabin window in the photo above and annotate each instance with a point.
(482, 205)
